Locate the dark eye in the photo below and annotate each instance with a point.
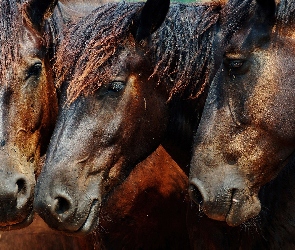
(236, 66)
(34, 70)
(116, 86)
(111, 89)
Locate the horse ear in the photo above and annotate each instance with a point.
(39, 10)
(151, 18)
(268, 7)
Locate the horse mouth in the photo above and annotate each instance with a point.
(91, 220)
(242, 208)
(24, 223)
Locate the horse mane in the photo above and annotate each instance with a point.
(234, 15)
(285, 16)
(10, 23)
(182, 49)
(236, 12)
(89, 48)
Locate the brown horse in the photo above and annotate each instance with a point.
(26, 91)
(148, 210)
(120, 71)
(28, 113)
(243, 162)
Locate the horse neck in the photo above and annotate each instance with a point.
(185, 110)
(184, 119)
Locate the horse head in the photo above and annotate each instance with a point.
(100, 134)
(26, 92)
(246, 134)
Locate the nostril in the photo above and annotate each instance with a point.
(21, 186)
(232, 159)
(196, 195)
(62, 205)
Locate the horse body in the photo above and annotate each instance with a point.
(242, 168)
(148, 211)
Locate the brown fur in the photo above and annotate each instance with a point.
(148, 210)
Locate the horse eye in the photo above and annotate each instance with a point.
(235, 64)
(116, 86)
(34, 70)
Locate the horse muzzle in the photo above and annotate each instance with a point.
(229, 203)
(16, 200)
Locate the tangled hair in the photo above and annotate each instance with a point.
(86, 54)
(285, 16)
(184, 48)
(12, 18)
(10, 25)
(236, 12)
(234, 15)
(180, 49)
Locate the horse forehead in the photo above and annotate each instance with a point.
(29, 43)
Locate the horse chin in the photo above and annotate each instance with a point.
(235, 210)
(242, 208)
(26, 222)
(92, 220)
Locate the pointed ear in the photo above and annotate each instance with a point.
(267, 10)
(151, 18)
(39, 10)
(262, 23)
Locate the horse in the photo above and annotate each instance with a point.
(26, 90)
(242, 167)
(37, 231)
(118, 74)
(28, 114)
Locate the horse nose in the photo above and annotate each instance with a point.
(197, 191)
(56, 208)
(15, 193)
(24, 191)
(62, 206)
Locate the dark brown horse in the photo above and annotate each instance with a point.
(28, 113)
(120, 71)
(243, 163)
(148, 210)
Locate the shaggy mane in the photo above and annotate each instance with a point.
(285, 16)
(10, 23)
(86, 55)
(182, 49)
